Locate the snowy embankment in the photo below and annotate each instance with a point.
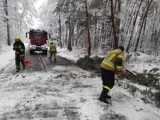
(140, 62)
(67, 93)
(6, 58)
(128, 104)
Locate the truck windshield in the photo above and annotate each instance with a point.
(38, 35)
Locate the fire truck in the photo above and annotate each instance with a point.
(38, 41)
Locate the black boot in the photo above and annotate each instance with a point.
(106, 94)
(102, 98)
(24, 67)
(18, 69)
(108, 97)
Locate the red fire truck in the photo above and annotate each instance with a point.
(38, 41)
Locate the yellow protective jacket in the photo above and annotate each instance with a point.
(53, 48)
(108, 62)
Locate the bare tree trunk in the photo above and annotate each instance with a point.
(143, 33)
(60, 32)
(141, 26)
(70, 35)
(113, 26)
(88, 30)
(95, 31)
(67, 26)
(129, 22)
(133, 26)
(117, 22)
(7, 22)
(66, 37)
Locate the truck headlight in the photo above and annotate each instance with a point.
(44, 47)
(32, 47)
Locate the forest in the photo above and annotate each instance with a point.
(88, 24)
(67, 85)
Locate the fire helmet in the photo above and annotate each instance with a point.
(17, 38)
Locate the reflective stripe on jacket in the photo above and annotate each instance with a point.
(109, 61)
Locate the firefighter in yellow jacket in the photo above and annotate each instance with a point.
(53, 51)
(111, 64)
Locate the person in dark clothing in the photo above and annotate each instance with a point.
(111, 64)
(19, 49)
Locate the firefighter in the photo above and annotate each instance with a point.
(19, 49)
(53, 51)
(111, 64)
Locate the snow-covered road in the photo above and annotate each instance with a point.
(66, 93)
(61, 93)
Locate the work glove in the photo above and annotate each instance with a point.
(119, 72)
(17, 52)
(124, 69)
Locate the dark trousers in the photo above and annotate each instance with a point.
(53, 53)
(19, 60)
(108, 78)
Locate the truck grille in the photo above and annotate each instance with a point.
(38, 42)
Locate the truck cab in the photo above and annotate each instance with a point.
(38, 40)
